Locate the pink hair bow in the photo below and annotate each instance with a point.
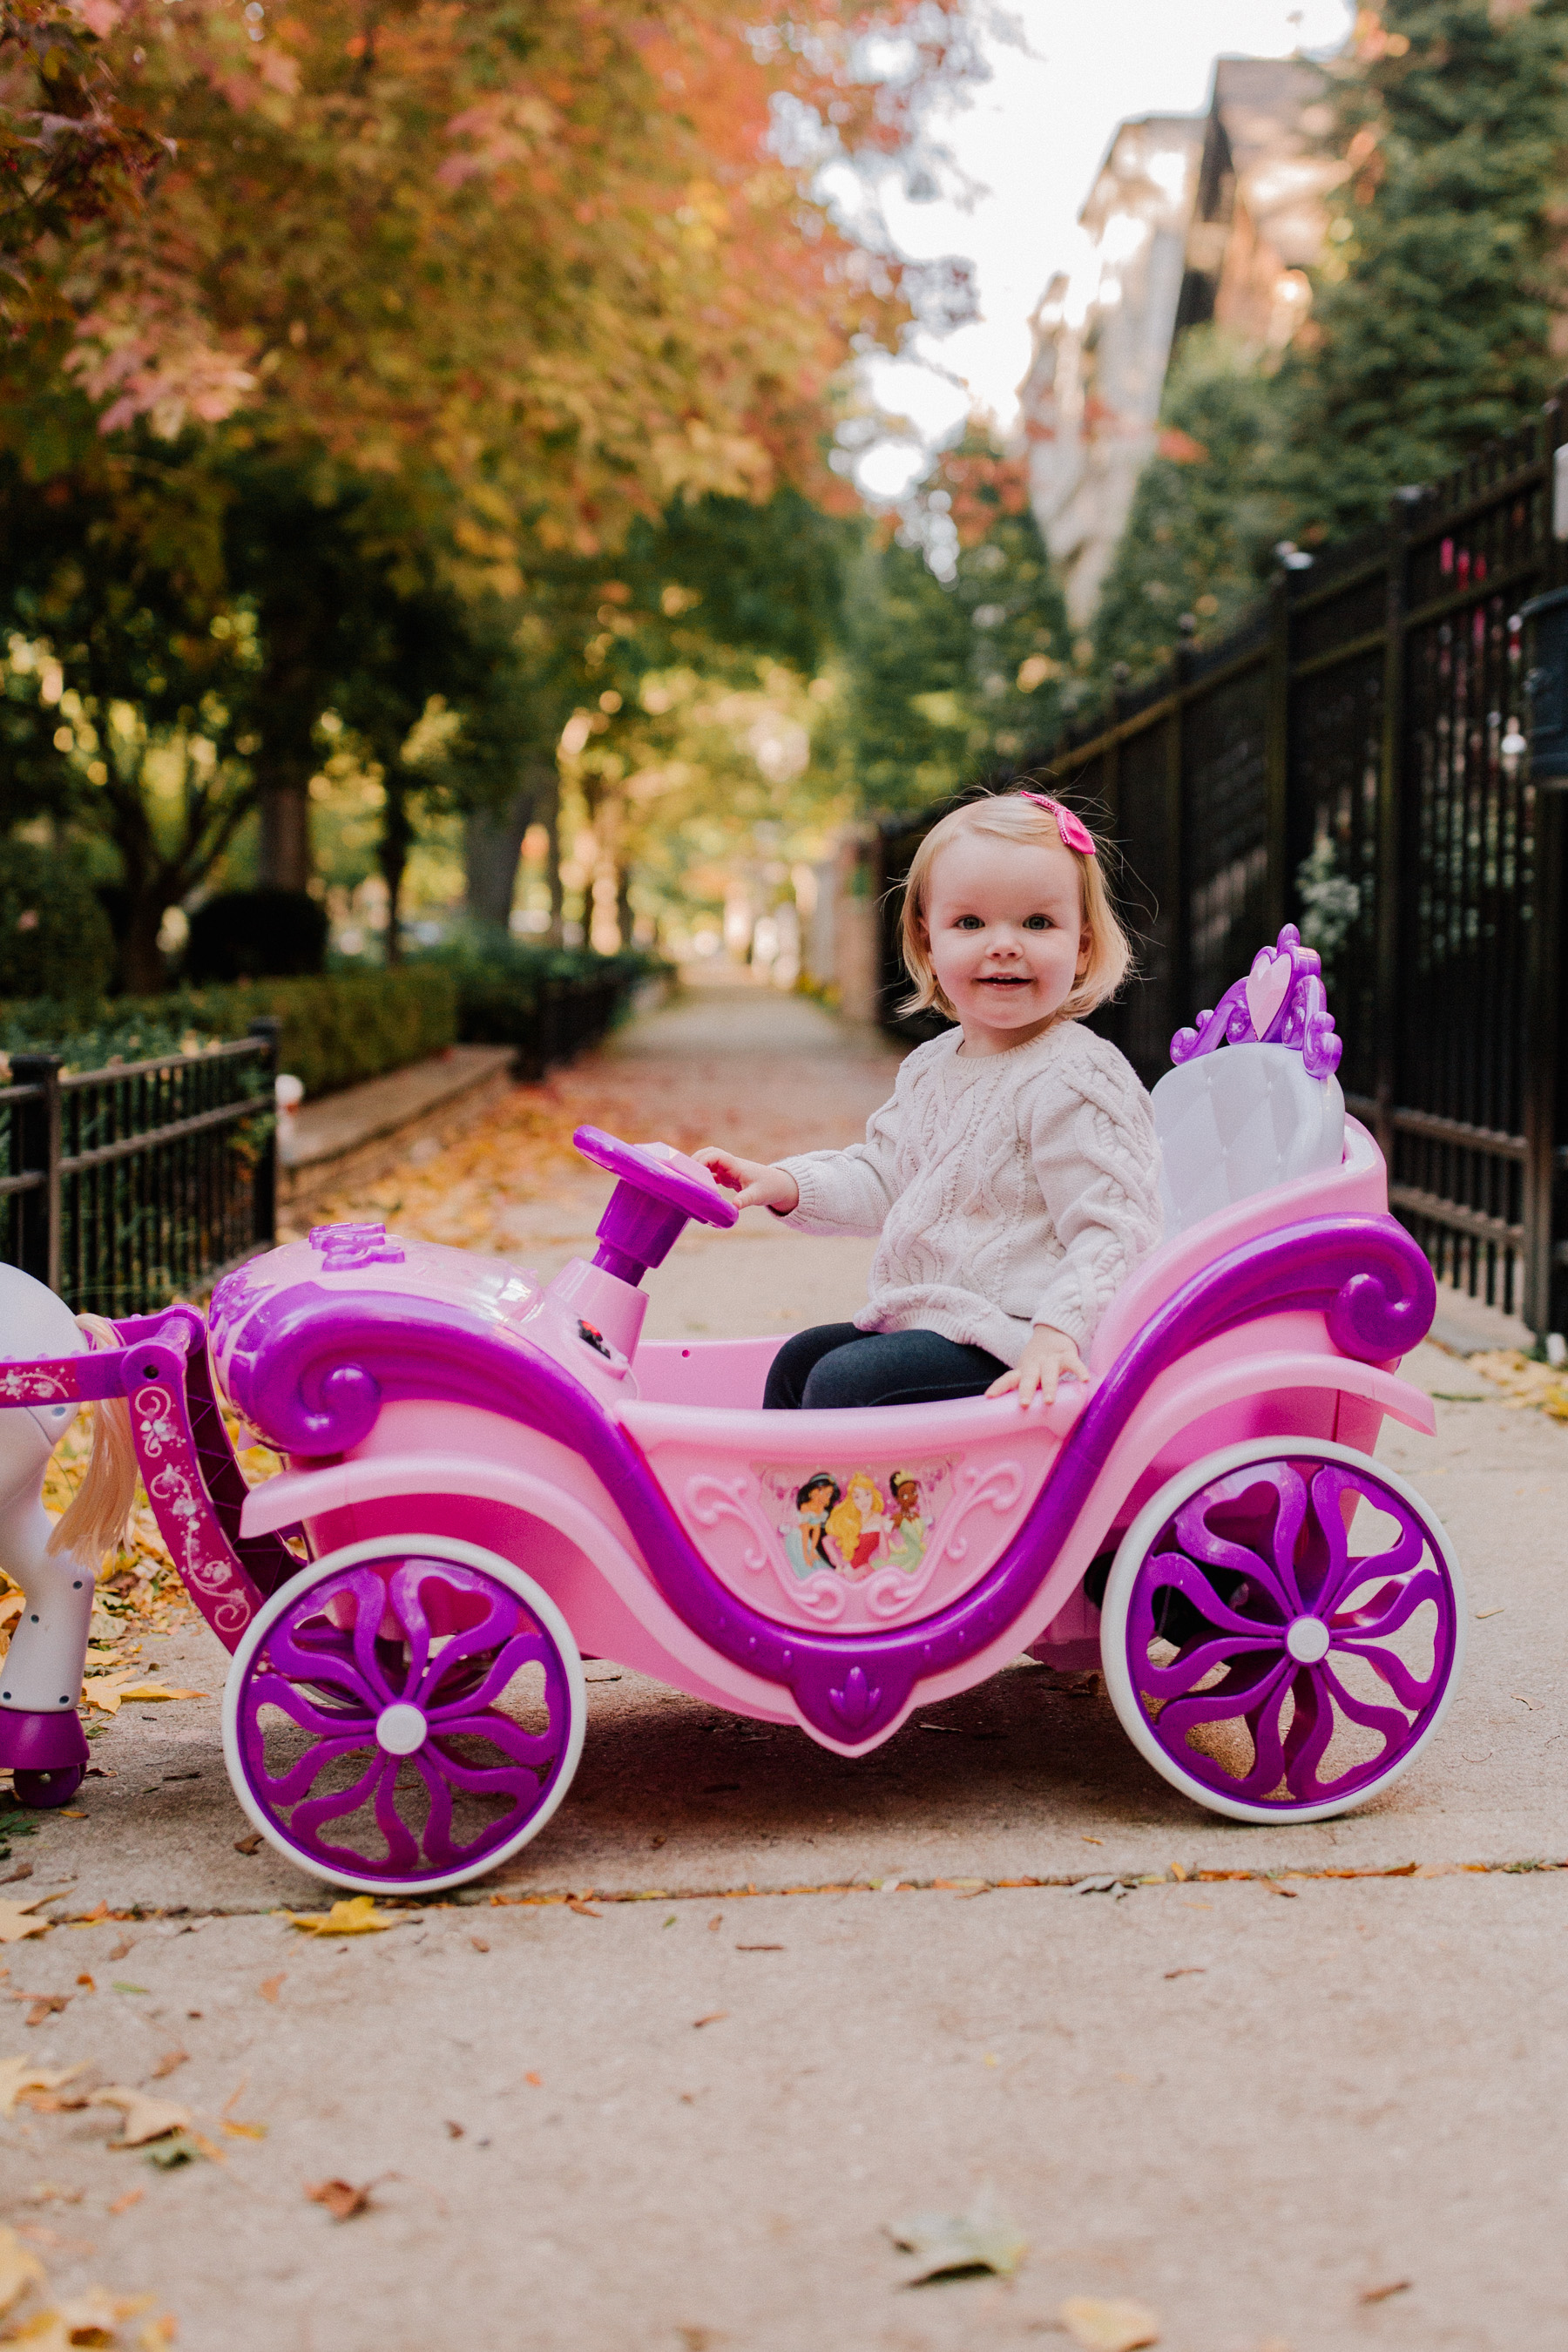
(1075, 833)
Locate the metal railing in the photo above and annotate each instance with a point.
(1367, 719)
(126, 1187)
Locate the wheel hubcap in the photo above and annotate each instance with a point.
(400, 1728)
(1308, 1641)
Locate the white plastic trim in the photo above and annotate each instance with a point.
(423, 1547)
(1118, 1597)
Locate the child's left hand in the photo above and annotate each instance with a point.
(1047, 1356)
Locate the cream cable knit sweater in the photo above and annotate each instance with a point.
(1009, 1190)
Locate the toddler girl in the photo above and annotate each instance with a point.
(1013, 1175)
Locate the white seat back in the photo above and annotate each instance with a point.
(1234, 1122)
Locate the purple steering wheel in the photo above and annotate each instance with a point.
(659, 1189)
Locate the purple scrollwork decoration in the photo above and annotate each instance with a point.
(1282, 1001)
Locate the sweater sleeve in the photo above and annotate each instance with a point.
(1097, 1163)
(848, 1191)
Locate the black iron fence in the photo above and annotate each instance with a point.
(1352, 759)
(126, 1187)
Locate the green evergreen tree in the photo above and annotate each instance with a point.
(951, 675)
(1431, 329)
(1202, 523)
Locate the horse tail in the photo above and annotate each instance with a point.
(94, 1521)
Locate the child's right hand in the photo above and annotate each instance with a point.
(759, 1187)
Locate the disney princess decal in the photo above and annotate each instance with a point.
(906, 1522)
(804, 1542)
(855, 1529)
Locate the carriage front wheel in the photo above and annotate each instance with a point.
(1282, 1630)
(404, 1714)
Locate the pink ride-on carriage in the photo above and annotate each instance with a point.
(489, 1478)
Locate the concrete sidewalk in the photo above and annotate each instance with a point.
(1285, 2123)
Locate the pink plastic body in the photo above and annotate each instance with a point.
(841, 1522)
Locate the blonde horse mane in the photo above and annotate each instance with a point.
(94, 1521)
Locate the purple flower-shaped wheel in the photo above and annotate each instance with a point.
(404, 1714)
(1283, 1629)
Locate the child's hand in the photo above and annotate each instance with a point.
(759, 1187)
(1048, 1356)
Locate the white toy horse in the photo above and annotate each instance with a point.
(55, 1562)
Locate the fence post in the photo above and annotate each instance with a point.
(268, 1028)
(39, 1236)
(1390, 821)
(1537, 1209)
(1276, 751)
(1179, 1006)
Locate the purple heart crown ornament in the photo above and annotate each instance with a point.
(1281, 1002)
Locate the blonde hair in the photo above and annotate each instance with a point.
(95, 1519)
(1012, 816)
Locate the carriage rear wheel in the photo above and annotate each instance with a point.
(1283, 1629)
(404, 1714)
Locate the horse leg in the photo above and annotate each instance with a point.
(41, 1738)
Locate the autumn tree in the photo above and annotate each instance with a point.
(534, 272)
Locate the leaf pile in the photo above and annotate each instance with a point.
(94, 2318)
(1524, 1382)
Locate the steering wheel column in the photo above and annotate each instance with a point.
(658, 1193)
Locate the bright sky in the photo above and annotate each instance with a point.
(1034, 136)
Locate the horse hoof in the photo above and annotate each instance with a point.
(41, 1790)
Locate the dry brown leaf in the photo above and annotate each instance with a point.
(168, 2062)
(714, 2017)
(355, 1915)
(19, 2269)
(123, 2204)
(146, 2118)
(14, 1924)
(340, 2198)
(1100, 2327)
(88, 1984)
(19, 2074)
(478, 1942)
(45, 2004)
(270, 1987)
(251, 1844)
(1381, 2293)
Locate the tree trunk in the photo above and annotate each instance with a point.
(141, 957)
(396, 839)
(284, 859)
(492, 844)
(549, 815)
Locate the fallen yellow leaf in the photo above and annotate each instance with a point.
(19, 2269)
(146, 2118)
(1108, 2326)
(19, 2074)
(355, 1915)
(14, 1923)
(105, 1692)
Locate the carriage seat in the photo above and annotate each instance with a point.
(1236, 1122)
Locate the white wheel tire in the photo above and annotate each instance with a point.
(421, 1547)
(1117, 1599)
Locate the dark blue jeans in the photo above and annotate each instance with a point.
(833, 1366)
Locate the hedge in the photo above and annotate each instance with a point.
(548, 1003)
(337, 1029)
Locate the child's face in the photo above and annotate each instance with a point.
(1004, 931)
